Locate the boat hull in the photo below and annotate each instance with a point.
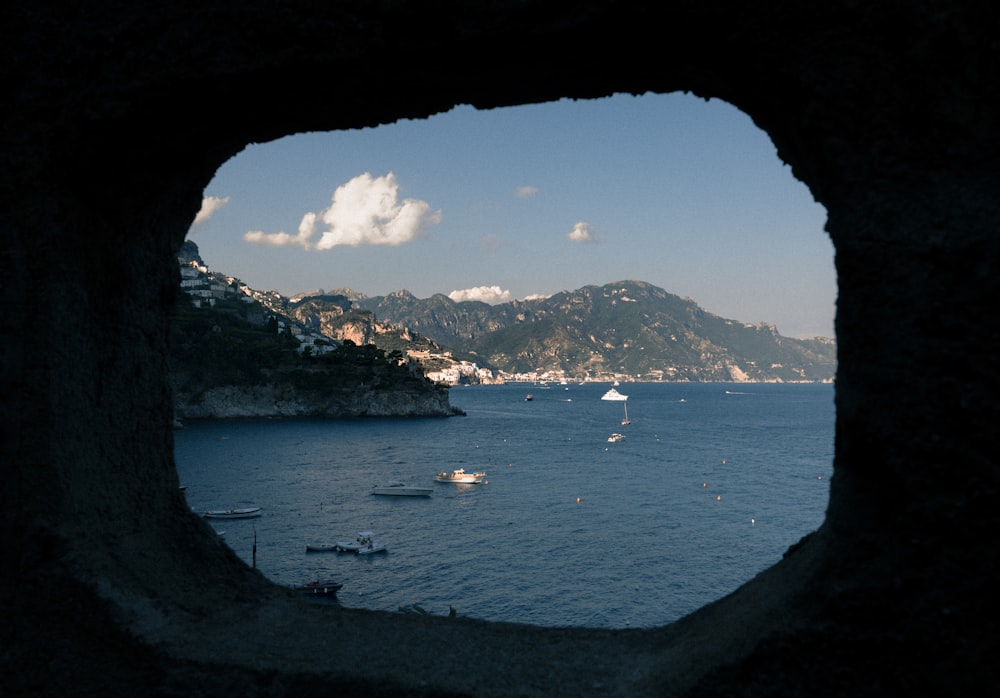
(321, 547)
(371, 550)
(460, 477)
(403, 491)
(248, 513)
(319, 588)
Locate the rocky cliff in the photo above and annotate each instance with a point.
(280, 400)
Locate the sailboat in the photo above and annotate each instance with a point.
(614, 396)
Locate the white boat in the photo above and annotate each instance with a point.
(460, 477)
(246, 513)
(353, 546)
(398, 489)
(614, 396)
(616, 437)
(625, 420)
(365, 544)
(321, 547)
(373, 546)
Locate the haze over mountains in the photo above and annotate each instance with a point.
(626, 330)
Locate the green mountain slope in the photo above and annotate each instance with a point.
(623, 329)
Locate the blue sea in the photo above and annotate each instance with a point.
(711, 485)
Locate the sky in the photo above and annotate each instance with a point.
(686, 194)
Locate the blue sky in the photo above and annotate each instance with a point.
(683, 193)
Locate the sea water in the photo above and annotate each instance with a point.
(711, 485)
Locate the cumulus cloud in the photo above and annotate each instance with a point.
(486, 294)
(209, 205)
(364, 211)
(306, 229)
(525, 192)
(582, 232)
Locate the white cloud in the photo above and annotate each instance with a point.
(367, 211)
(306, 229)
(209, 205)
(525, 192)
(486, 294)
(364, 211)
(582, 232)
(535, 297)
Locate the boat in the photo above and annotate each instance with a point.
(614, 396)
(529, 397)
(616, 437)
(373, 545)
(365, 544)
(460, 477)
(318, 588)
(398, 489)
(321, 547)
(353, 546)
(625, 420)
(245, 513)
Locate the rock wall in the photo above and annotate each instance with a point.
(116, 118)
(285, 401)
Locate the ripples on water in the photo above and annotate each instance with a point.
(711, 486)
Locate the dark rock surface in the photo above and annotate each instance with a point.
(116, 118)
(275, 400)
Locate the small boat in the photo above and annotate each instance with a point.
(365, 544)
(460, 477)
(398, 489)
(246, 513)
(321, 547)
(319, 588)
(529, 397)
(626, 421)
(353, 546)
(616, 437)
(372, 546)
(614, 396)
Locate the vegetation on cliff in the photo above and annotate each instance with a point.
(241, 345)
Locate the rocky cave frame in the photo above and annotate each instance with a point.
(117, 119)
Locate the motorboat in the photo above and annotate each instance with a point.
(372, 546)
(318, 588)
(614, 396)
(398, 489)
(616, 437)
(353, 546)
(245, 513)
(365, 544)
(460, 477)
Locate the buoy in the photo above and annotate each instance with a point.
(577, 500)
(723, 461)
(704, 484)
(753, 522)
(718, 498)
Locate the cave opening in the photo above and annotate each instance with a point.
(722, 185)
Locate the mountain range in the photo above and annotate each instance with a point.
(626, 330)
